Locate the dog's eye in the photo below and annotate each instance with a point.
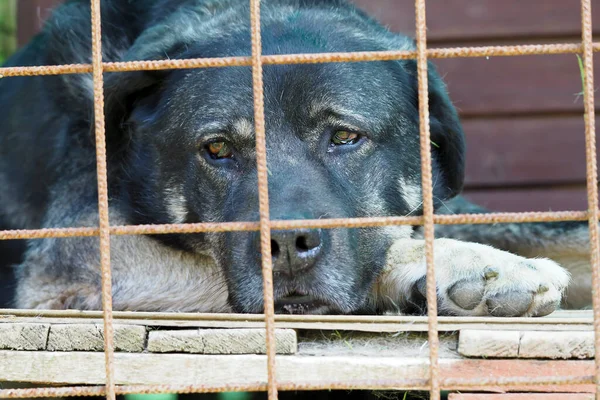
(344, 137)
(218, 150)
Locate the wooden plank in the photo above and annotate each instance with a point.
(558, 321)
(488, 343)
(557, 345)
(486, 19)
(90, 337)
(220, 341)
(31, 15)
(521, 151)
(419, 325)
(66, 368)
(520, 84)
(528, 199)
(8, 314)
(187, 369)
(23, 336)
(525, 369)
(520, 396)
(526, 344)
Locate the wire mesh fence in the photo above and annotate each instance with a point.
(256, 61)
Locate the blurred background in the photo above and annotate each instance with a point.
(522, 115)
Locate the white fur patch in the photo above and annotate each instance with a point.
(397, 232)
(176, 205)
(412, 194)
(244, 128)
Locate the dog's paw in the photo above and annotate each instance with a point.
(510, 287)
(474, 279)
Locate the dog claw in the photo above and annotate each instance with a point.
(491, 272)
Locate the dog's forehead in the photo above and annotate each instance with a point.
(293, 93)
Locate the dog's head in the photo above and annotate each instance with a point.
(342, 141)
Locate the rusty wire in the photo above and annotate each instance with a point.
(265, 225)
(591, 172)
(129, 66)
(263, 195)
(427, 186)
(102, 177)
(457, 219)
(397, 384)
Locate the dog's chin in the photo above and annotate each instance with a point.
(299, 304)
(308, 296)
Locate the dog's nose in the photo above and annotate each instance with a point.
(295, 251)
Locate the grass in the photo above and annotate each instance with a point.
(337, 335)
(582, 74)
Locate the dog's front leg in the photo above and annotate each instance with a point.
(472, 279)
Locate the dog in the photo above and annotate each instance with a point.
(342, 142)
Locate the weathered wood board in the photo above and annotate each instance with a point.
(521, 396)
(558, 321)
(24, 336)
(485, 343)
(337, 353)
(90, 337)
(526, 344)
(187, 369)
(220, 341)
(137, 339)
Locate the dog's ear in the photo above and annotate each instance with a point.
(447, 137)
(138, 90)
(66, 39)
(126, 91)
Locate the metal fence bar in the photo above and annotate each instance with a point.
(263, 194)
(483, 51)
(591, 173)
(491, 218)
(427, 186)
(102, 177)
(397, 384)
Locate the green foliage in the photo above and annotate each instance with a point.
(151, 397)
(222, 396)
(8, 28)
(582, 74)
